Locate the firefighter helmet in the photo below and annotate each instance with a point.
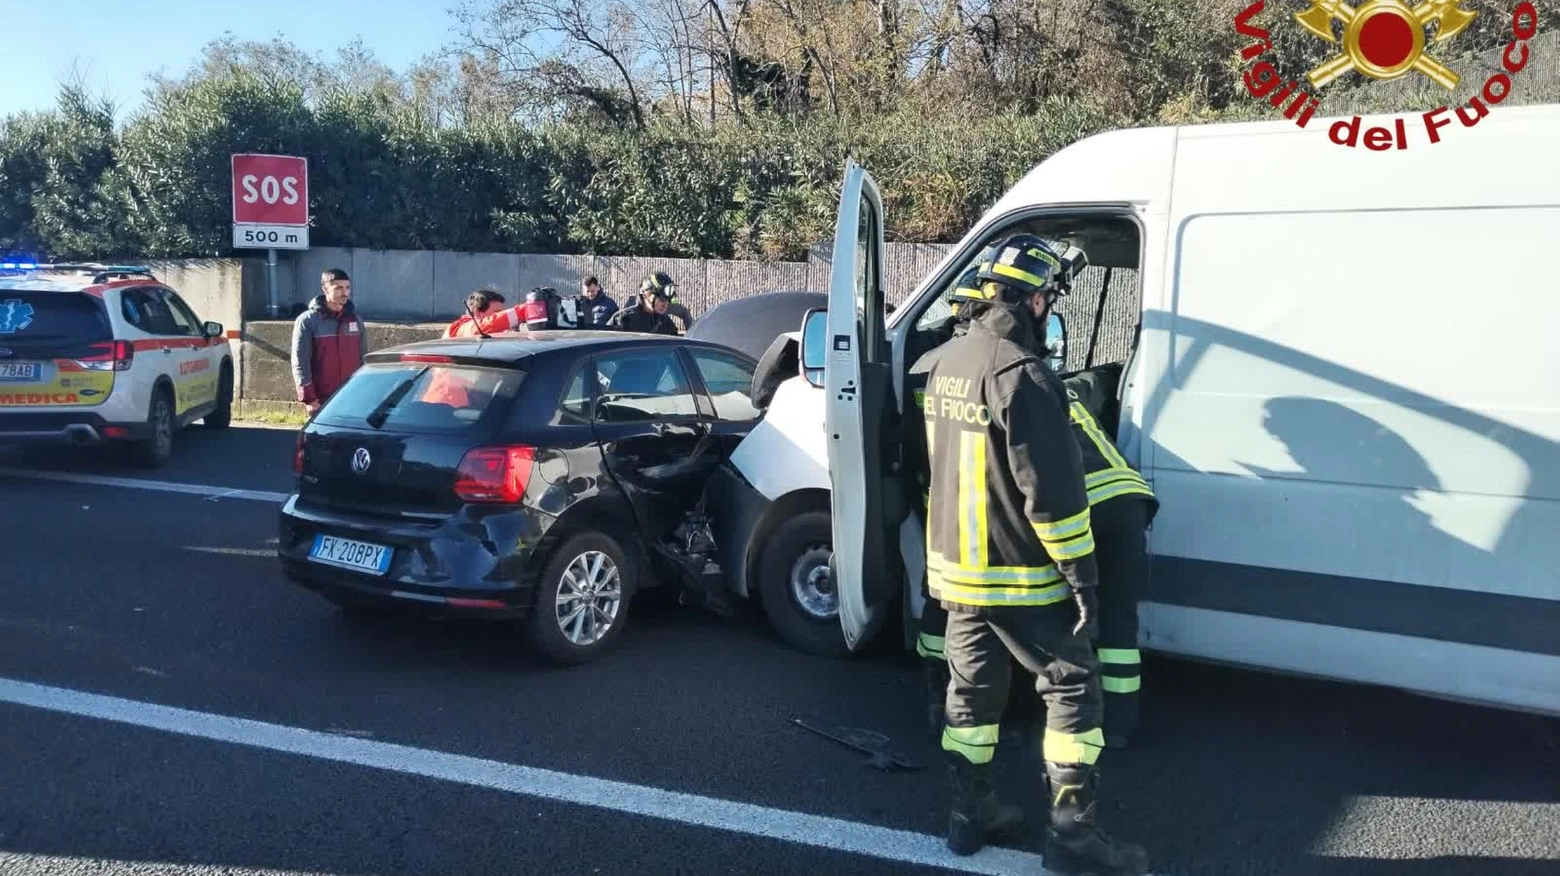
(659, 283)
(1014, 269)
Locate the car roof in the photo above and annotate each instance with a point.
(72, 283)
(513, 346)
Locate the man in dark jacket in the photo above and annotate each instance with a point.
(596, 306)
(1010, 552)
(328, 342)
(647, 312)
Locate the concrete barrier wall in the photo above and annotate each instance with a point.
(408, 295)
(267, 374)
(400, 285)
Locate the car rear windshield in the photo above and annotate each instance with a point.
(52, 317)
(421, 397)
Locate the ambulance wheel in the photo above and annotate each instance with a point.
(157, 448)
(796, 588)
(222, 416)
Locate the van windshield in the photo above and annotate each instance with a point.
(421, 397)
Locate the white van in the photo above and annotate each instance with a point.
(1338, 368)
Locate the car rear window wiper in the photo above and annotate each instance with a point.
(381, 411)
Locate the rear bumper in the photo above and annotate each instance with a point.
(66, 427)
(467, 564)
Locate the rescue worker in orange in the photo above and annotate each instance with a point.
(446, 385)
(490, 318)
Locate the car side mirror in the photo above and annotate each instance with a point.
(815, 326)
(212, 329)
(1056, 342)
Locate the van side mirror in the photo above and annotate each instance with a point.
(212, 329)
(1056, 342)
(815, 327)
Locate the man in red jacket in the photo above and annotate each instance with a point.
(327, 342)
(490, 320)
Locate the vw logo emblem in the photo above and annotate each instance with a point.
(360, 460)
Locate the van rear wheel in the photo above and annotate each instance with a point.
(796, 587)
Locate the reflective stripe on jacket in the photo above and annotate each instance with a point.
(1008, 513)
(1108, 474)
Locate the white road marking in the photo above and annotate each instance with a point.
(211, 493)
(232, 551)
(726, 815)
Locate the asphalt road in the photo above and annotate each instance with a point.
(174, 599)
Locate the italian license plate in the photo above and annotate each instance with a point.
(21, 372)
(346, 553)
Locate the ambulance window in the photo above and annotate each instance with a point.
(184, 321)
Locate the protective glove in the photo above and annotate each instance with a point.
(1088, 612)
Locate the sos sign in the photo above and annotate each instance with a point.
(270, 190)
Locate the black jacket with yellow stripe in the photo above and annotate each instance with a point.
(1107, 474)
(1007, 511)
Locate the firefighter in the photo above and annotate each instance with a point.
(1121, 506)
(1010, 555)
(647, 312)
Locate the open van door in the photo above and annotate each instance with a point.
(859, 416)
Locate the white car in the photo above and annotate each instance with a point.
(100, 355)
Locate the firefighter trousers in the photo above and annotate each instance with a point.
(1121, 550)
(981, 643)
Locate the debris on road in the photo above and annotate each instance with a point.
(875, 745)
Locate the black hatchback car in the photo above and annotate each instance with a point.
(533, 477)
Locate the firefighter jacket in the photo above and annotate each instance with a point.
(637, 319)
(1008, 515)
(1107, 474)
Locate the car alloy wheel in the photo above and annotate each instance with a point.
(590, 592)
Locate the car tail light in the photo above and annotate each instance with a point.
(298, 454)
(115, 356)
(494, 474)
(425, 357)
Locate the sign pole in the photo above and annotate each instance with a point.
(272, 306)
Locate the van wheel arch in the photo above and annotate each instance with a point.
(783, 509)
(797, 526)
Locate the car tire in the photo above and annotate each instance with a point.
(222, 416)
(793, 557)
(155, 450)
(592, 568)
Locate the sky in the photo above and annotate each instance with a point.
(116, 43)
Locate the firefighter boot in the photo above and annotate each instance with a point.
(976, 814)
(1074, 844)
(936, 671)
